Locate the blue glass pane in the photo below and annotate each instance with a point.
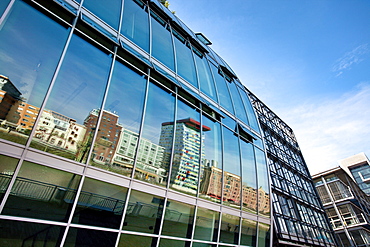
(263, 183)
(185, 63)
(207, 85)
(223, 91)
(109, 13)
(135, 23)
(249, 182)
(253, 122)
(162, 48)
(238, 103)
(3, 5)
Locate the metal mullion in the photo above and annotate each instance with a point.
(120, 19)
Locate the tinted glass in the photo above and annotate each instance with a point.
(263, 183)
(238, 104)
(30, 48)
(207, 85)
(249, 177)
(229, 232)
(117, 138)
(100, 204)
(248, 233)
(157, 142)
(186, 154)
(109, 13)
(64, 130)
(263, 235)
(3, 6)
(7, 167)
(232, 179)
(127, 240)
(211, 168)
(135, 23)
(163, 242)
(250, 112)
(144, 213)
(222, 90)
(42, 192)
(85, 237)
(184, 59)
(178, 219)
(206, 225)
(162, 48)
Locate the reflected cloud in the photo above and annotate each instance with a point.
(350, 58)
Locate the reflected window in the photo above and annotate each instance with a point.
(135, 23)
(263, 183)
(206, 225)
(178, 219)
(88, 237)
(100, 204)
(42, 192)
(249, 178)
(128, 240)
(229, 232)
(144, 213)
(7, 167)
(109, 13)
(263, 235)
(30, 48)
(248, 232)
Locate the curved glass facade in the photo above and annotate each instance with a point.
(120, 128)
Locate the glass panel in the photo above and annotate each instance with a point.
(163, 242)
(232, 180)
(263, 235)
(42, 192)
(252, 119)
(206, 225)
(62, 129)
(211, 169)
(3, 6)
(135, 23)
(178, 219)
(109, 13)
(128, 240)
(238, 103)
(30, 48)
(207, 85)
(249, 233)
(17, 233)
(7, 167)
(119, 127)
(162, 47)
(223, 91)
(100, 204)
(263, 183)
(160, 109)
(249, 177)
(195, 244)
(229, 229)
(144, 213)
(185, 63)
(185, 165)
(78, 237)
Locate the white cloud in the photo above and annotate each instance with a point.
(349, 59)
(332, 129)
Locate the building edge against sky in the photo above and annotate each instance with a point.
(121, 127)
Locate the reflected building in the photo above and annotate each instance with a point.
(9, 97)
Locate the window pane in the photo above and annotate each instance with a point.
(42, 192)
(7, 167)
(238, 104)
(211, 170)
(163, 242)
(223, 91)
(229, 229)
(232, 183)
(178, 219)
(157, 142)
(249, 177)
(128, 240)
(109, 13)
(30, 48)
(85, 237)
(185, 62)
(252, 119)
(263, 235)
(144, 213)
(162, 48)
(63, 130)
(135, 23)
(263, 183)
(185, 165)
(207, 85)
(17, 233)
(206, 225)
(100, 204)
(3, 6)
(249, 232)
(118, 133)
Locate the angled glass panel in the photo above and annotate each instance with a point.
(211, 167)
(117, 139)
(87, 237)
(263, 235)
(178, 219)
(7, 168)
(186, 153)
(238, 103)
(249, 177)
(144, 213)
(206, 82)
(128, 240)
(184, 59)
(206, 225)
(263, 183)
(100, 204)
(30, 47)
(135, 23)
(18, 233)
(42, 192)
(232, 178)
(3, 6)
(109, 13)
(230, 226)
(252, 119)
(162, 47)
(222, 90)
(248, 233)
(63, 130)
(156, 140)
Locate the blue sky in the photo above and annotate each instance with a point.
(309, 61)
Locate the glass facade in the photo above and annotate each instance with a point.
(118, 127)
